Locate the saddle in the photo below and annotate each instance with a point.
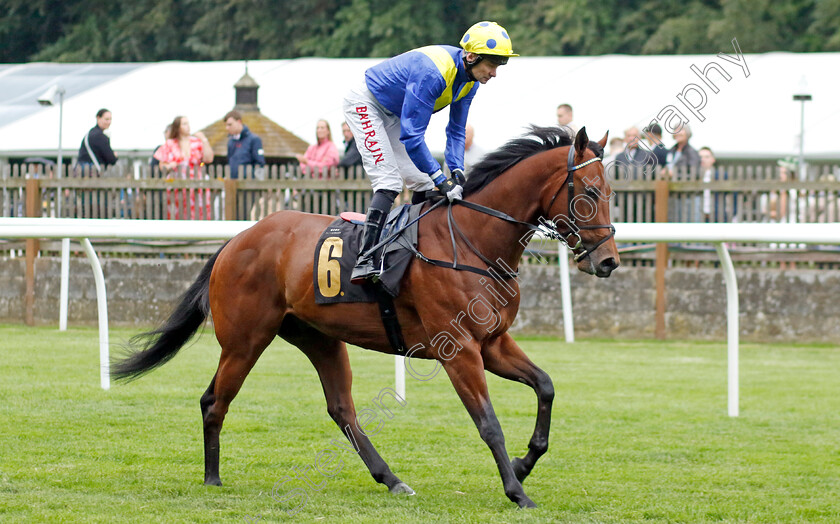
(336, 253)
(338, 248)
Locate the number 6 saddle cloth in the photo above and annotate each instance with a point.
(338, 247)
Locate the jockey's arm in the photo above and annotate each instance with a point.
(417, 110)
(456, 133)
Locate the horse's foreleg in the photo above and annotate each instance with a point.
(503, 357)
(329, 356)
(466, 372)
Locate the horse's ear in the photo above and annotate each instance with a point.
(581, 141)
(603, 141)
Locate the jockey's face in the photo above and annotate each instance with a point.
(482, 71)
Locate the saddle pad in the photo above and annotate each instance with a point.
(338, 248)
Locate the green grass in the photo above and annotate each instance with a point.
(640, 433)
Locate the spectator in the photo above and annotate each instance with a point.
(783, 203)
(183, 155)
(653, 134)
(788, 205)
(322, 155)
(565, 117)
(244, 148)
(351, 157)
(712, 207)
(154, 162)
(634, 159)
(616, 146)
(682, 156)
(95, 152)
(472, 153)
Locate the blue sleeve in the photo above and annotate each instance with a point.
(421, 91)
(256, 151)
(230, 148)
(456, 131)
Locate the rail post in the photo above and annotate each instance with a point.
(661, 215)
(33, 210)
(230, 199)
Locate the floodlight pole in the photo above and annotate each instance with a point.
(60, 125)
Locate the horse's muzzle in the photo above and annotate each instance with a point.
(605, 267)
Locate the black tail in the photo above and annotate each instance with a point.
(149, 350)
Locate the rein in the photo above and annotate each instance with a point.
(548, 228)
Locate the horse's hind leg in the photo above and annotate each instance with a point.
(239, 355)
(503, 357)
(329, 356)
(211, 438)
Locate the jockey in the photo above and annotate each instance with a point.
(390, 112)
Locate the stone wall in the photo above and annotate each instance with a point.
(775, 305)
(799, 305)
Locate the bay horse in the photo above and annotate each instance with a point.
(260, 285)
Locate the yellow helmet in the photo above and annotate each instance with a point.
(487, 38)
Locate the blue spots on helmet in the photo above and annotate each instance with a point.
(491, 43)
(484, 24)
(504, 34)
(466, 38)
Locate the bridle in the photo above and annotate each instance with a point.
(547, 227)
(550, 229)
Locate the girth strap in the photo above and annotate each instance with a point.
(388, 312)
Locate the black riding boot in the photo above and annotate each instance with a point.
(376, 215)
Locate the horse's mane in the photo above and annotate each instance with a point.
(537, 140)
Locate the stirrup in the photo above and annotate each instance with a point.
(364, 271)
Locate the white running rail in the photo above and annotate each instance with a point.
(717, 234)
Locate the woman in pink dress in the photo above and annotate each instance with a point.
(182, 156)
(319, 157)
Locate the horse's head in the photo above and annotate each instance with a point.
(583, 217)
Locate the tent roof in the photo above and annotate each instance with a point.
(751, 115)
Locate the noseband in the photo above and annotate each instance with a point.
(551, 229)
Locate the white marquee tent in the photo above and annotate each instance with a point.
(752, 114)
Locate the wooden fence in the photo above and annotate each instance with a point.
(735, 193)
(209, 194)
(744, 194)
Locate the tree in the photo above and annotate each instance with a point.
(386, 28)
(152, 30)
(30, 25)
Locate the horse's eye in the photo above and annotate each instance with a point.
(592, 192)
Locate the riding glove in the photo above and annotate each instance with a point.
(448, 186)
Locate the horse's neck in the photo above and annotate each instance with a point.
(518, 193)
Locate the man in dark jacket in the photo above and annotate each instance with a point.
(351, 157)
(244, 147)
(95, 152)
(654, 136)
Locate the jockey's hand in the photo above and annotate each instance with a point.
(458, 176)
(450, 189)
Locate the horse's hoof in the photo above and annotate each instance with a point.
(527, 503)
(402, 487)
(213, 482)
